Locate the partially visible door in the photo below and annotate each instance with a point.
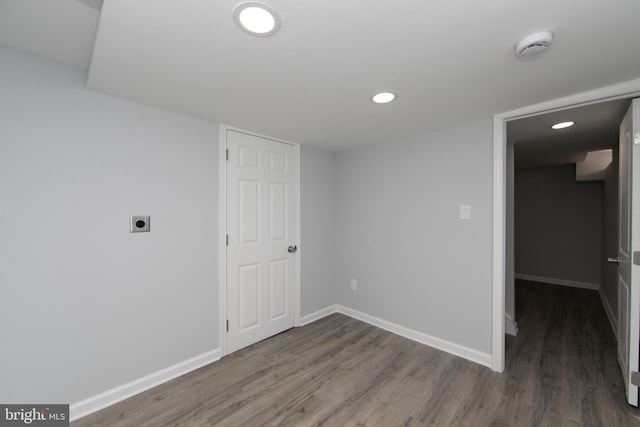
(629, 242)
(261, 238)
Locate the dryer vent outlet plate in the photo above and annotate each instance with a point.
(140, 224)
(534, 44)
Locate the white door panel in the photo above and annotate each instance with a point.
(261, 227)
(278, 211)
(249, 296)
(629, 242)
(278, 288)
(249, 211)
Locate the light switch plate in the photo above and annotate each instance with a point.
(465, 212)
(140, 224)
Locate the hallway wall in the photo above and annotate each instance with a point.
(558, 226)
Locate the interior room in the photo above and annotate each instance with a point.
(133, 141)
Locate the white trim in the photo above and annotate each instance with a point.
(298, 265)
(511, 327)
(499, 242)
(222, 247)
(310, 318)
(627, 89)
(561, 282)
(610, 313)
(222, 240)
(422, 338)
(125, 391)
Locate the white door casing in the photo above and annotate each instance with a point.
(261, 226)
(628, 243)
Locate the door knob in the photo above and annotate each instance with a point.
(613, 260)
(292, 249)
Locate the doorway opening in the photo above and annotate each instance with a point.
(562, 198)
(627, 90)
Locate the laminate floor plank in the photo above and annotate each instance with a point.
(561, 370)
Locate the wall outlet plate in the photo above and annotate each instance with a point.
(140, 224)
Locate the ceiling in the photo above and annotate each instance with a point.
(450, 62)
(537, 145)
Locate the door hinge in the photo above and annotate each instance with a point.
(635, 378)
(636, 257)
(227, 154)
(227, 325)
(227, 240)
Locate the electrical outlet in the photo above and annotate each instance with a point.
(354, 284)
(139, 224)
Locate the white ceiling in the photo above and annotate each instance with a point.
(449, 61)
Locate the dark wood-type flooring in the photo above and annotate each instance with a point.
(561, 371)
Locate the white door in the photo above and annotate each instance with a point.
(261, 238)
(629, 235)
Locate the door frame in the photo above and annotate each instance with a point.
(629, 89)
(222, 231)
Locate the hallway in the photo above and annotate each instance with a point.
(564, 358)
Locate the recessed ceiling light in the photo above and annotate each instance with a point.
(256, 18)
(383, 97)
(562, 125)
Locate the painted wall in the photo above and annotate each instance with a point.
(557, 225)
(87, 306)
(317, 244)
(417, 264)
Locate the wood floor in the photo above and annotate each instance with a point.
(561, 371)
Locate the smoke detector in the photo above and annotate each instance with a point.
(534, 44)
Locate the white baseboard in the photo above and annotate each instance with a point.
(310, 318)
(125, 391)
(610, 313)
(422, 338)
(562, 282)
(117, 394)
(510, 325)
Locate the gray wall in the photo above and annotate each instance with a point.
(317, 245)
(86, 306)
(557, 225)
(399, 233)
